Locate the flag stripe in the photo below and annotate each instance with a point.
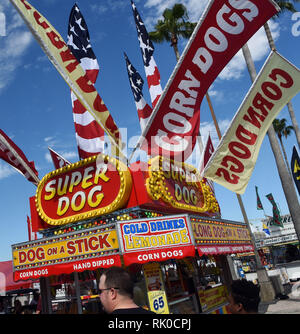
(85, 125)
(89, 145)
(92, 133)
(13, 155)
(147, 49)
(136, 83)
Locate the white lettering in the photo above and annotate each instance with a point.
(234, 25)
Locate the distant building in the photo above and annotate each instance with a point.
(278, 235)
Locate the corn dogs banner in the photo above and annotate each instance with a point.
(224, 28)
(232, 163)
(68, 67)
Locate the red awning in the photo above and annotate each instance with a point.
(224, 249)
(6, 278)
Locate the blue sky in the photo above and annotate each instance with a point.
(36, 109)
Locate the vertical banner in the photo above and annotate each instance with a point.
(155, 288)
(295, 168)
(223, 29)
(233, 162)
(259, 205)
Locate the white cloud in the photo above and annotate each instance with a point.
(259, 49)
(6, 170)
(207, 128)
(195, 9)
(13, 46)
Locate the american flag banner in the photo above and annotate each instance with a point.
(13, 155)
(147, 49)
(58, 160)
(89, 134)
(136, 84)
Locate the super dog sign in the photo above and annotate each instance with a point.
(86, 189)
(156, 239)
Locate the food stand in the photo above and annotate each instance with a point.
(159, 220)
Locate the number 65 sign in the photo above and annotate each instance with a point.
(158, 302)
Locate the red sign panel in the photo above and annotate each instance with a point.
(88, 188)
(224, 249)
(68, 268)
(158, 239)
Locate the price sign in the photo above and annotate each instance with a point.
(158, 302)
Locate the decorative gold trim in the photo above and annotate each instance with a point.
(120, 200)
(158, 190)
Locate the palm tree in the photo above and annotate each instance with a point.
(284, 175)
(282, 129)
(173, 26)
(285, 6)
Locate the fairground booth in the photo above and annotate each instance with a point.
(159, 220)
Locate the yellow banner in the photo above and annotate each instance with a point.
(232, 164)
(82, 244)
(219, 231)
(212, 297)
(69, 68)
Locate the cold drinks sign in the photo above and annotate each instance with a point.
(157, 239)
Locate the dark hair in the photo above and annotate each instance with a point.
(117, 277)
(246, 293)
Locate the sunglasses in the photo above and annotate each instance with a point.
(101, 290)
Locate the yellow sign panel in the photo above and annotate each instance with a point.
(218, 231)
(212, 297)
(45, 251)
(158, 302)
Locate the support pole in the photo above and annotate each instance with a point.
(77, 290)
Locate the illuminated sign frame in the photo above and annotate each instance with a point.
(119, 200)
(78, 251)
(157, 186)
(172, 234)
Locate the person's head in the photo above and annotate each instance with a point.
(115, 288)
(244, 297)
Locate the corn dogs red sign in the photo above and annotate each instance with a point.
(223, 29)
(83, 190)
(233, 162)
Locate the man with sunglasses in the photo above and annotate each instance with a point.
(116, 292)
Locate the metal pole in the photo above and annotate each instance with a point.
(77, 290)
